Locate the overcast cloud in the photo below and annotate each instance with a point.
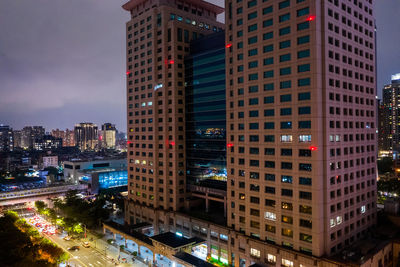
(63, 61)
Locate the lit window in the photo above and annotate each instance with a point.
(305, 138)
(255, 252)
(286, 138)
(270, 216)
(362, 209)
(271, 258)
(287, 263)
(339, 220)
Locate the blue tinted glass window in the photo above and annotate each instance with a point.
(253, 101)
(253, 64)
(268, 74)
(304, 96)
(304, 110)
(268, 61)
(284, 17)
(284, 31)
(305, 181)
(269, 125)
(268, 99)
(285, 57)
(284, 44)
(268, 22)
(303, 53)
(304, 124)
(303, 26)
(286, 125)
(285, 84)
(252, 28)
(286, 111)
(253, 126)
(269, 138)
(252, 15)
(284, 4)
(285, 71)
(303, 68)
(253, 113)
(268, 48)
(287, 179)
(269, 112)
(304, 82)
(268, 35)
(303, 11)
(269, 87)
(267, 10)
(286, 98)
(269, 177)
(303, 39)
(253, 77)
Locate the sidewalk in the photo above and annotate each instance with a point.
(112, 251)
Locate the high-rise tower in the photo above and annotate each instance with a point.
(158, 37)
(301, 122)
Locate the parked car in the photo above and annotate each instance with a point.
(73, 248)
(86, 244)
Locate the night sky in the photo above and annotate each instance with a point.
(63, 62)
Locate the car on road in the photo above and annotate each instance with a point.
(67, 238)
(73, 248)
(86, 244)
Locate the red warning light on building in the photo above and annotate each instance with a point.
(172, 143)
(313, 148)
(228, 45)
(229, 145)
(128, 72)
(311, 18)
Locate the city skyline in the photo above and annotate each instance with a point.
(46, 58)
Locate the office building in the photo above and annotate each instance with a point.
(389, 117)
(158, 38)
(86, 136)
(300, 125)
(73, 169)
(301, 118)
(108, 136)
(6, 138)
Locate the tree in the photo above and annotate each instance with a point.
(40, 206)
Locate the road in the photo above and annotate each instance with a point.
(99, 254)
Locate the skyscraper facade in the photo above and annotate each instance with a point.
(301, 118)
(389, 123)
(6, 138)
(300, 124)
(86, 137)
(205, 110)
(108, 135)
(158, 38)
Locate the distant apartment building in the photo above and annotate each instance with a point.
(47, 142)
(389, 117)
(108, 136)
(68, 136)
(17, 138)
(49, 161)
(29, 134)
(86, 136)
(6, 138)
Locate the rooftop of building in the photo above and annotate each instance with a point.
(192, 260)
(175, 241)
(97, 158)
(199, 3)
